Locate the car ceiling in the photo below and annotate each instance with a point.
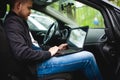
(42, 3)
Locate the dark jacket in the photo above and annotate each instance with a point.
(17, 31)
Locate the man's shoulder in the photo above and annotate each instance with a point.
(12, 16)
(13, 19)
(13, 22)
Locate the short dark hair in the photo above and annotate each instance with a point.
(12, 2)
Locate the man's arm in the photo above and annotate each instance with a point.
(19, 44)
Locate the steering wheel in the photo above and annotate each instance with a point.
(51, 32)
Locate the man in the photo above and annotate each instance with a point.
(40, 62)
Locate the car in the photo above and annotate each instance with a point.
(39, 21)
(103, 36)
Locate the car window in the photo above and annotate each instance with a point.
(45, 21)
(115, 2)
(39, 21)
(87, 15)
(32, 26)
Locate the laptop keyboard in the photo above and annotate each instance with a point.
(68, 51)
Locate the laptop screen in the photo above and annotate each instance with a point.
(78, 36)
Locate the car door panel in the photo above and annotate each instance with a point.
(95, 35)
(96, 41)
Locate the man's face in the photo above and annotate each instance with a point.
(25, 9)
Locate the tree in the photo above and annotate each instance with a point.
(117, 2)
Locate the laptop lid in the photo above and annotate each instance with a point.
(78, 36)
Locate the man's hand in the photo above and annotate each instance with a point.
(63, 46)
(53, 50)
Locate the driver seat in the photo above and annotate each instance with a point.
(9, 67)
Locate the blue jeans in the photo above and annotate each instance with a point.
(83, 61)
(35, 47)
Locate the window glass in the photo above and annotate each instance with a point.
(115, 2)
(32, 26)
(80, 13)
(39, 21)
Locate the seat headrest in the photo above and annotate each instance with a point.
(3, 5)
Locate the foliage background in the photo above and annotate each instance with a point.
(82, 15)
(117, 2)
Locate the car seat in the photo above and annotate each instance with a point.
(9, 67)
(4, 49)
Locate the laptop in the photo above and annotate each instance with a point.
(77, 39)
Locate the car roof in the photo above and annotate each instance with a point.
(44, 3)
